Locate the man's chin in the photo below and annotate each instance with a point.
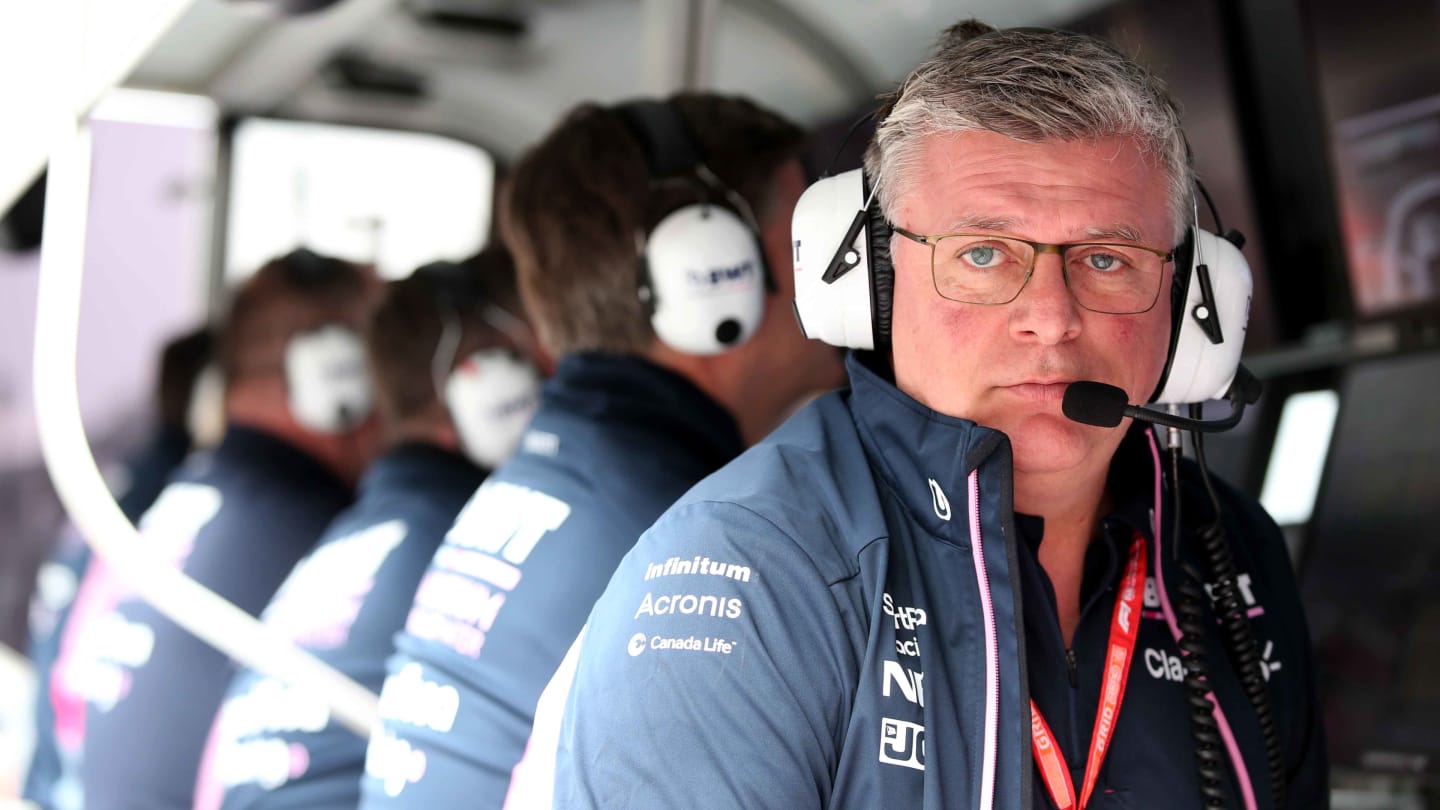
(1050, 443)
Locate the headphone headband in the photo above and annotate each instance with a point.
(703, 273)
(670, 148)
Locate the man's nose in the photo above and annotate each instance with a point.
(1045, 311)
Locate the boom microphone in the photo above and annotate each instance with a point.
(1101, 405)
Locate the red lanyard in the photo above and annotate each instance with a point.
(1123, 627)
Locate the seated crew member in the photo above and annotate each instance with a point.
(236, 520)
(648, 280)
(906, 565)
(53, 781)
(455, 385)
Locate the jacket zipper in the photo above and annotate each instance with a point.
(1070, 665)
(992, 649)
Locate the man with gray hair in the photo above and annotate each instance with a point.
(938, 589)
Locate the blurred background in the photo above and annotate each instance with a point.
(377, 130)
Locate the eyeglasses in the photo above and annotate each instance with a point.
(1105, 277)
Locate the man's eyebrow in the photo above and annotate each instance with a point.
(980, 222)
(1124, 233)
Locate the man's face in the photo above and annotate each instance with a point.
(1006, 367)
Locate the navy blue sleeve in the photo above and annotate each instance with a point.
(55, 590)
(53, 779)
(143, 741)
(502, 600)
(274, 745)
(716, 672)
(1302, 727)
(1283, 635)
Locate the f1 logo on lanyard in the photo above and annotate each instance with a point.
(1112, 694)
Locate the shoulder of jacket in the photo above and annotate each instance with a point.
(809, 482)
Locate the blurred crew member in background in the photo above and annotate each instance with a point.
(53, 782)
(456, 381)
(647, 238)
(299, 432)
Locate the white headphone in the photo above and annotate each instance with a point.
(491, 394)
(703, 274)
(326, 378)
(844, 281)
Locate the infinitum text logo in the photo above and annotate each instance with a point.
(703, 566)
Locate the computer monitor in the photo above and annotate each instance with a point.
(1370, 571)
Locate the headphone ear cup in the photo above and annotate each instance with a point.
(882, 273)
(491, 396)
(327, 380)
(705, 269)
(837, 303)
(1207, 330)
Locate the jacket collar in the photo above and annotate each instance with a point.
(421, 466)
(924, 456)
(1132, 481)
(626, 389)
(250, 449)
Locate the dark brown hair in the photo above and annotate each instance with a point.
(287, 296)
(406, 329)
(181, 362)
(577, 201)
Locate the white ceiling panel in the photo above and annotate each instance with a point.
(811, 59)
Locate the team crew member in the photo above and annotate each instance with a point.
(906, 566)
(53, 780)
(648, 280)
(455, 386)
(237, 520)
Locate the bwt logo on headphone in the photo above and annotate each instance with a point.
(344, 368)
(723, 276)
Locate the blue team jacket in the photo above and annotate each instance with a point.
(839, 619)
(614, 442)
(271, 748)
(54, 780)
(237, 520)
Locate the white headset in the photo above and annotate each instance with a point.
(326, 378)
(703, 274)
(844, 281)
(491, 394)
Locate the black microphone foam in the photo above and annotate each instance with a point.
(1094, 403)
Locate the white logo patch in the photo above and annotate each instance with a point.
(942, 503)
(902, 743)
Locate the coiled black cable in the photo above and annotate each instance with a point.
(1190, 618)
(1236, 632)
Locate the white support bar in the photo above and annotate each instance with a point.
(679, 37)
(103, 46)
(62, 436)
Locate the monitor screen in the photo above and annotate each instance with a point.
(1378, 72)
(1370, 576)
